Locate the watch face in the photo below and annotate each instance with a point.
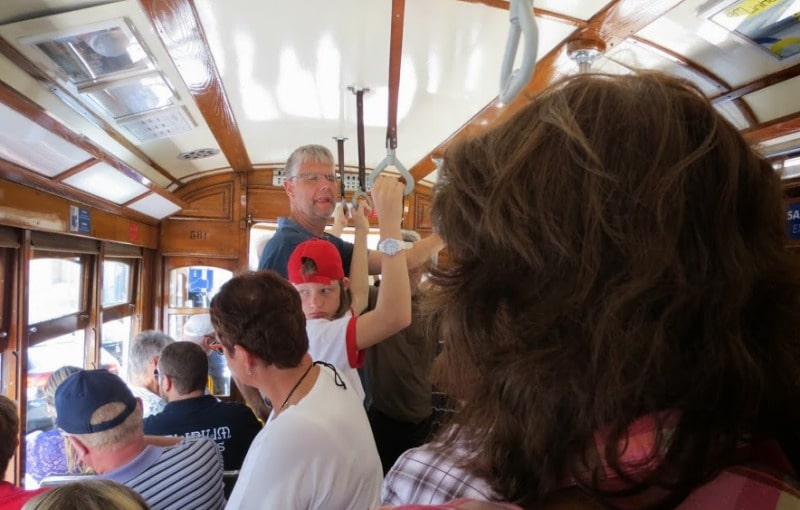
(389, 246)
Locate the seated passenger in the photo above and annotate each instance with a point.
(423, 475)
(11, 497)
(332, 302)
(619, 315)
(316, 450)
(90, 494)
(142, 364)
(103, 422)
(182, 372)
(45, 451)
(198, 329)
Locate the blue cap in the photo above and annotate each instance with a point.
(83, 393)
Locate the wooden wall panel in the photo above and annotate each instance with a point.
(24, 207)
(266, 204)
(214, 239)
(214, 202)
(223, 207)
(211, 225)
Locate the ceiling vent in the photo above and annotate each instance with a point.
(198, 153)
(160, 124)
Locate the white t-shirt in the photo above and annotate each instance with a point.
(335, 342)
(319, 453)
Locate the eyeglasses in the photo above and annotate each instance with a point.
(314, 177)
(157, 375)
(215, 344)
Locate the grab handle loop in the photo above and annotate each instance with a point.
(357, 194)
(522, 22)
(393, 161)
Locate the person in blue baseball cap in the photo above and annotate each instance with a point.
(103, 421)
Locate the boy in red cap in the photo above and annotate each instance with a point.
(332, 302)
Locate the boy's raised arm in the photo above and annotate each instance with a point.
(359, 277)
(392, 311)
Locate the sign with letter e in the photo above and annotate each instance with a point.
(793, 221)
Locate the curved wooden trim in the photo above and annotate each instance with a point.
(756, 85)
(773, 129)
(14, 173)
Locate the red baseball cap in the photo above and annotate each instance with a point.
(326, 257)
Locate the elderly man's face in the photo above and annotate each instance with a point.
(312, 190)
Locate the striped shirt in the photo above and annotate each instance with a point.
(185, 476)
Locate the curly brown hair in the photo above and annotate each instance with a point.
(616, 250)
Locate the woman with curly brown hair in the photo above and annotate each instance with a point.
(620, 314)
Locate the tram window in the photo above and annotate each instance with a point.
(118, 307)
(55, 287)
(45, 358)
(190, 292)
(193, 287)
(349, 235)
(116, 282)
(116, 337)
(260, 234)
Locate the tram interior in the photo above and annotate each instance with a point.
(143, 141)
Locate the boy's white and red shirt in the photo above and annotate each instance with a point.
(334, 341)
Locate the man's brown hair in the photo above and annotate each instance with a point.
(186, 364)
(262, 312)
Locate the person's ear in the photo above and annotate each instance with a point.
(247, 358)
(288, 186)
(167, 382)
(345, 283)
(80, 449)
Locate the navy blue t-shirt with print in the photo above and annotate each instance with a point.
(232, 425)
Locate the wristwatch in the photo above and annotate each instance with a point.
(393, 246)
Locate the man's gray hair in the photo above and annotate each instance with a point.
(410, 236)
(115, 437)
(307, 153)
(145, 346)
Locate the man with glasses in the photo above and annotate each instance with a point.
(313, 191)
(198, 329)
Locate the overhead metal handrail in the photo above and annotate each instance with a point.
(523, 23)
(398, 8)
(361, 192)
(340, 152)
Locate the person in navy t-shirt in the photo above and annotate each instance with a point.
(182, 374)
